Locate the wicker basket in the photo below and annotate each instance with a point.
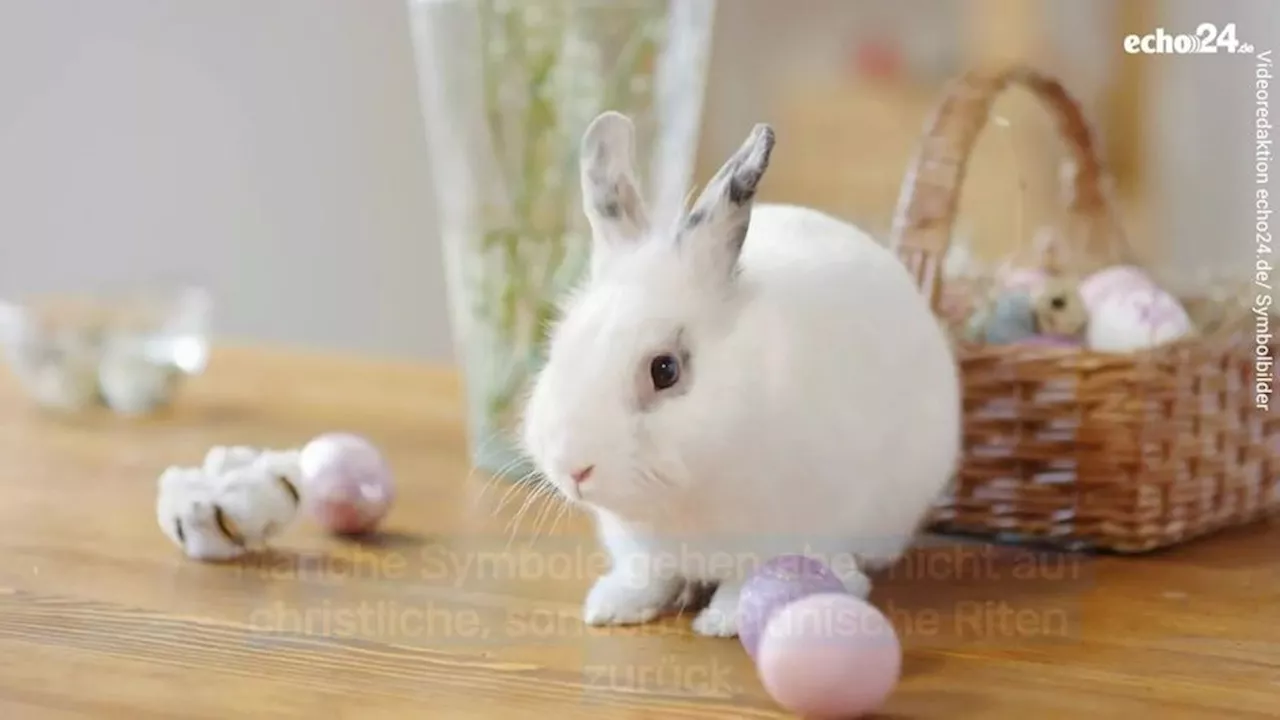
(1092, 451)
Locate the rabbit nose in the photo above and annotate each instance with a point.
(582, 474)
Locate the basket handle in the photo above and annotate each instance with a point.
(930, 195)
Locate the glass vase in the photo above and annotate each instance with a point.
(507, 88)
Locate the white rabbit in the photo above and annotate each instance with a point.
(741, 385)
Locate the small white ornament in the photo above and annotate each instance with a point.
(222, 458)
(259, 501)
(188, 515)
(221, 516)
(1129, 312)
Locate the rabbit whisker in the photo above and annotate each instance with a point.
(548, 500)
(533, 496)
(565, 508)
(516, 485)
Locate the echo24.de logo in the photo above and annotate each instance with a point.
(1207, 39)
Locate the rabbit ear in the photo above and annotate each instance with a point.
(713, 233)
(610, 196)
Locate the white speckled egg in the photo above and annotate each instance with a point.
(1129, 312)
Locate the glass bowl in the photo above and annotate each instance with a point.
(127, 351)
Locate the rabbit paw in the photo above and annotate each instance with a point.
(855, 582)
(854, 574)
(621, 599)
(693, 595)
(720, 617)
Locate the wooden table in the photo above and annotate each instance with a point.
(451, 616)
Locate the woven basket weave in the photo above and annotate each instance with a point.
(1124, 453)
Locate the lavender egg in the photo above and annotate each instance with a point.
(778, 582)
(346, 484)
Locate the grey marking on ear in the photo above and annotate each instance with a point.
(180, 532)
(742, 186)
(609, 204)
(611, 198)
(749, 167)
(735, 184)
(716, 228)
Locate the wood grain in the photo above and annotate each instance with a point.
(458, 612)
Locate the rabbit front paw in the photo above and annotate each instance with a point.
(720, 617)
(622, 599)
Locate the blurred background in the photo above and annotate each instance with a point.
(273, 149)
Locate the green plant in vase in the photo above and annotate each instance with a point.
(508, 88)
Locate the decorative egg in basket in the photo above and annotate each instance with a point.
(1128, 311)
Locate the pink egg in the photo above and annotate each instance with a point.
(830, 656)
(346, 484)
(775, 583)
(1110, 281)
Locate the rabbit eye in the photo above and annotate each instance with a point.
(664, 370)
(1058, 303)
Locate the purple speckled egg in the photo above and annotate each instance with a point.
(775, 584)
(346, 484)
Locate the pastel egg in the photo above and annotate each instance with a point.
(1010, 319)
(830, 656)
(346, 483)
(1128, 311)
(1108, 281)
(777, 582)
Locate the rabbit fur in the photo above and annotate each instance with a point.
(750, 382)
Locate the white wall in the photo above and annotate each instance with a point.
(272, 149)
(1202, 142)
(269, 148)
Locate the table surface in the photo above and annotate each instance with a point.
(456, 611)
